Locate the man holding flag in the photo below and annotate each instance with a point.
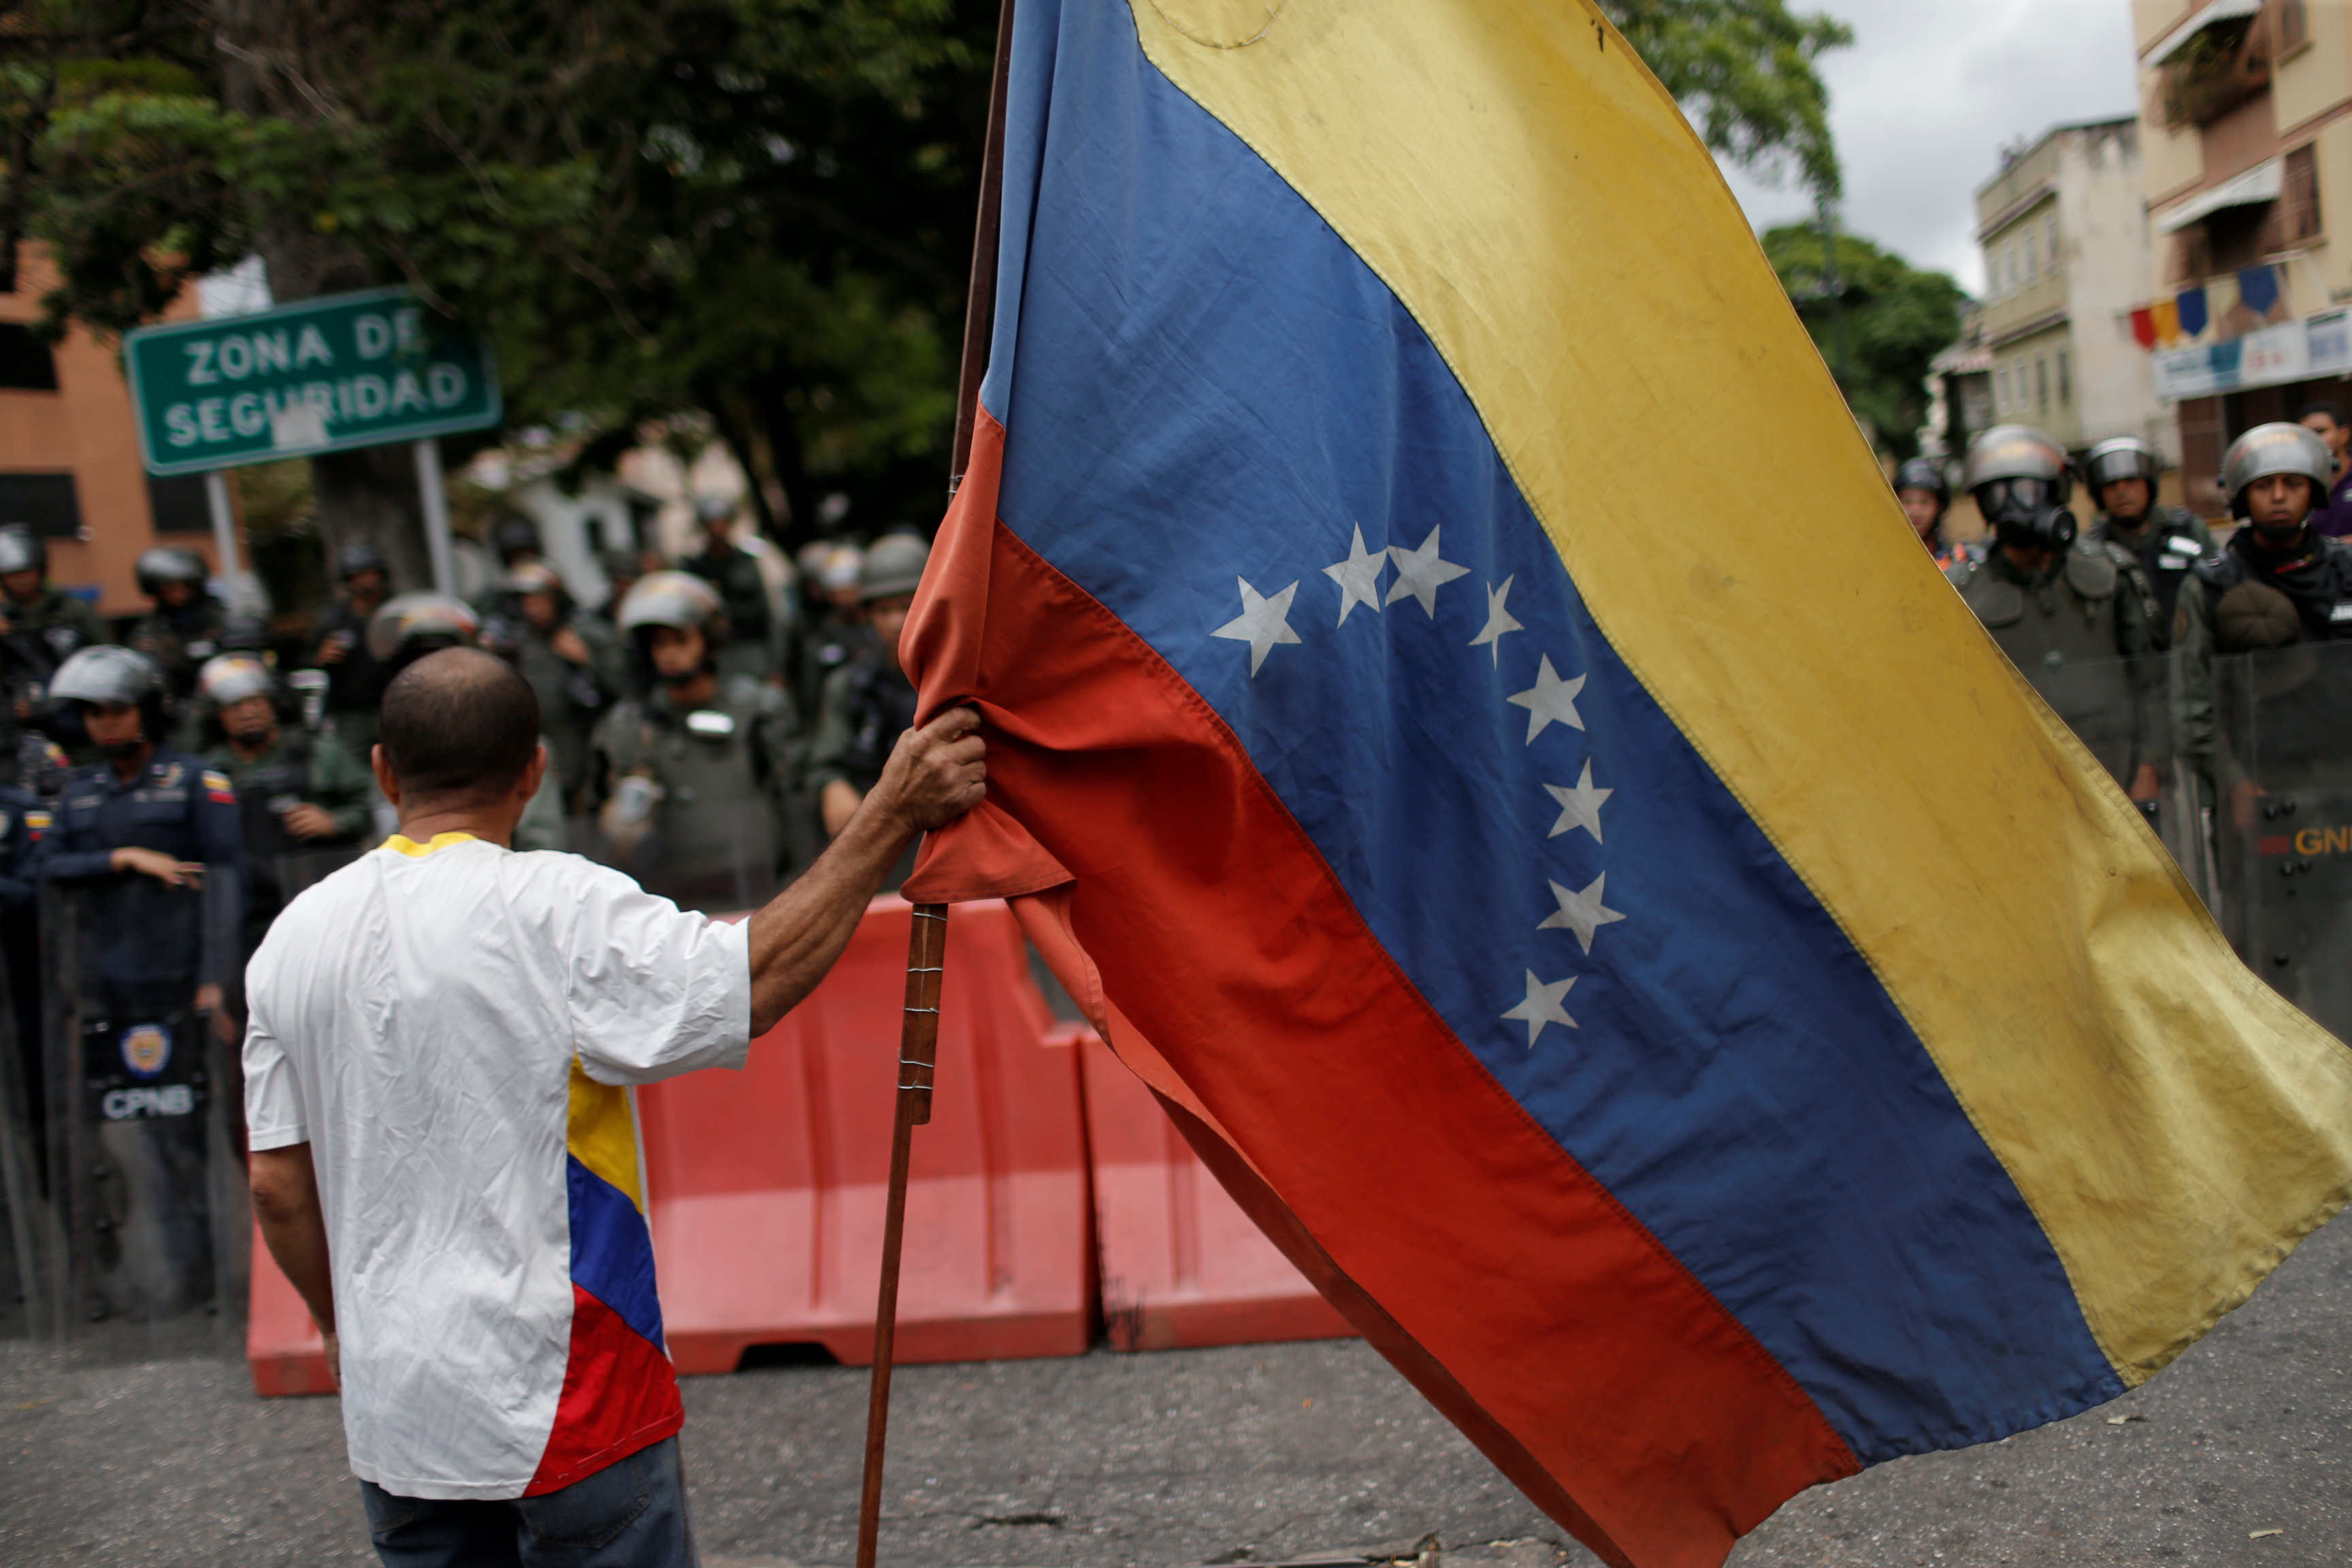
(1499, 873)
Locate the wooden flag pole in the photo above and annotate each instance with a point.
(918, 1035)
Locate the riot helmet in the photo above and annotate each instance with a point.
(1925, 474)
(22, 550)
(411, 625)
(228, 679)
(537, 577)
(2120, 457)
(678, 599)
(893, 566)
(169, 563)
(712, 509)
(2275, 449)
(842, 567)
(515, 536)
(2020, 482)
(106, 675)
(354, 559)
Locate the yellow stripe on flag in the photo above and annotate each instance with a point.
(1538, 202)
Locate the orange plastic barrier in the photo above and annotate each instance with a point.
(767, 1187)
(1182, 1264)
(282, 1346)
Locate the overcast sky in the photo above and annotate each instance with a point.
(1924, 99)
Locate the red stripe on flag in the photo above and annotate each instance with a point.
(1589, 1363)
(620, 1394)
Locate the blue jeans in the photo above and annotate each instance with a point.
(630, 1514)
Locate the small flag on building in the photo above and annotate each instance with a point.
(2191, 304)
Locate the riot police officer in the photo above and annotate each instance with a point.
(697, 775)
(2121, 475)
(837, 631)
(734, 573)
(570, 665)
(296, 792)
(2278, 582)
(40, 624)
(2075, 616)
(355, 677)
(146, 858)
(868, 702)
(183, 629)
(1927, 497)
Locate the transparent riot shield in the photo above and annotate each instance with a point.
(145, 1119)
(26, 1244)
(717, 860)
(2281, 767)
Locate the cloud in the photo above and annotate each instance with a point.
(1923, 101)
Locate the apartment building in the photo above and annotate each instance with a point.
(2246, 150)
(69, 465)
(2063, 228)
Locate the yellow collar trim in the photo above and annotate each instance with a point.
(409, 846)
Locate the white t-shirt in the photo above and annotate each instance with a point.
(448, 1026)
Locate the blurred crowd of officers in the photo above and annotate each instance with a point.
(184, 775)
(2118, 626)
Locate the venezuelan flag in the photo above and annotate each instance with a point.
(1467, 715)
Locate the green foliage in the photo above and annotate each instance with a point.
(758, 207)
(1896, 320)
(1743, 70)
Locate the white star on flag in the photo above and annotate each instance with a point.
(1499, 621)
(1262, 622)
(1583, 913)
(1420, 574)
(1358, 576)
(1579, 807)
(1542, 1006)
(1550, 700)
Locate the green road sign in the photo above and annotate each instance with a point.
(328, 374)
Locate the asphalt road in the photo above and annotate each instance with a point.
(131, 1450)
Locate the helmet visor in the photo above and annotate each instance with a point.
(2016, 496)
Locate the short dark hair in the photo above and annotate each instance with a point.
(458, 722)
(2333, 410)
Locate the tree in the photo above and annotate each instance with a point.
(1743, 71)
(1897, 320)
(758, 208)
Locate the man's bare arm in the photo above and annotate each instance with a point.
(286, 1202)
(935, 773)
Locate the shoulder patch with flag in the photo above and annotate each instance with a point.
(1543, 906)
(219, 789)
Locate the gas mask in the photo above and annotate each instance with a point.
(2025, 513)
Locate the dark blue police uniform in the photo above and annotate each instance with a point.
(147, 936)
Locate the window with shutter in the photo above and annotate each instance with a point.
(2293, 26)
(2299, 200)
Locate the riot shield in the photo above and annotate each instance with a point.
(145, 1120)
(717, 860)
(2282, 767)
